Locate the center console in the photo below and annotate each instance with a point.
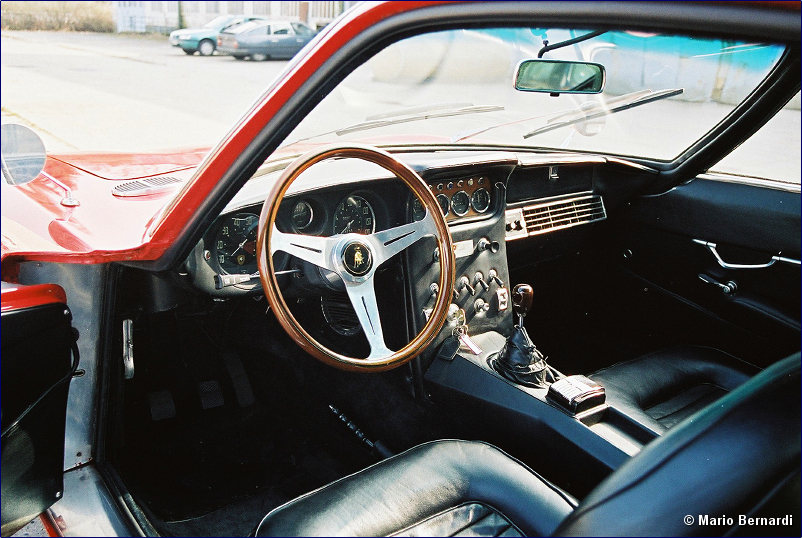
(498, 378)
(582, 444)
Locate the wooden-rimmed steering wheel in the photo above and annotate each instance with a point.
(355, 258)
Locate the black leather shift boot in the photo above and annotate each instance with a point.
(520, 361)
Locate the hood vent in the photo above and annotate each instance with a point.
(146, 186)
(554, 214)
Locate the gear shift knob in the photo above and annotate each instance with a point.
(522, 295)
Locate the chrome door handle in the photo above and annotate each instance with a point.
(728, 289)
(725, 265)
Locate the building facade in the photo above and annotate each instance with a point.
(155, 16)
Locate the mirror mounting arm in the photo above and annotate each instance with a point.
(546, 47)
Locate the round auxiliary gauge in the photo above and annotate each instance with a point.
(442, 199)
(302, 215)
(354, 215)
(480, 201)
(460, 203)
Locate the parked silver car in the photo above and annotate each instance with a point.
(264, 39)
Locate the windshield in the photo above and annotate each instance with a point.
(245, 27)
(662, 92)
(217, 22)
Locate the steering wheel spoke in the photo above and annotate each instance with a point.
(311, 248)
(390, 242)
(363, 299)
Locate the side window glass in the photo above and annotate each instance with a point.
(772, 153)
(281, 29)
(300, 29)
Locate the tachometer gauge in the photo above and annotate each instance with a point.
(480, 201)
(445, 204)
(235, 243)
(354, 215)
(460, 203)
(418, 211)
(302, 215)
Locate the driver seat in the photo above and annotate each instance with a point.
(739, 455)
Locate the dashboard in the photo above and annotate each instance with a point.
(489, 200)
(230, 245)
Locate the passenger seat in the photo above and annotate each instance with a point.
(661, 389)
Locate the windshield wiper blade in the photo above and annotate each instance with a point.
(640, 98)
(373, 124)
(553, 116)
(407, 115)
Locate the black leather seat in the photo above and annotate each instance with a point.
(739, 456)
(661, 389)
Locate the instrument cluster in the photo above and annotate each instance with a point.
(231, 246)
(226, 258)
(458, 198)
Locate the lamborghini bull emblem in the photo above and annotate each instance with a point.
(357, 258)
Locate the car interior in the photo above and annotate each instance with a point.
(591, 319)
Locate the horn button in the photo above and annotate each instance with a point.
(357, 258)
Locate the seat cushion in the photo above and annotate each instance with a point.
(737, 457)
(663, 388)
(441, 488)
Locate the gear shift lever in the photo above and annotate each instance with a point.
(522, 295)
(519, 360)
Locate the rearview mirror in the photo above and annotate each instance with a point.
(23, 154)
(558, 76)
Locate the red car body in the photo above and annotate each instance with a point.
(105, 228)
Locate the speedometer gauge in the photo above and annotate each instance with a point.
(354, 215)
(235, 243)
(418, 211)
(460, 203)
(444, 202)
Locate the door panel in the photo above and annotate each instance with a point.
(664, 237)
(37, 366)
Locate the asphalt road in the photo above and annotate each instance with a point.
(109, 92)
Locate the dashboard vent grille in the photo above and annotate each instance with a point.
(143, 187)
(558, 214)
(554, 214)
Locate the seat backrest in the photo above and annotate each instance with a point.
(736, 459)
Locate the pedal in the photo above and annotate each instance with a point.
(210, 394)
(162, 405)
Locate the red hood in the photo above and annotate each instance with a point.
(103, 225)
(122, 166)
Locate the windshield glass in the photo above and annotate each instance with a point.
(217, 21)
(456, 87)
(245, 27)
